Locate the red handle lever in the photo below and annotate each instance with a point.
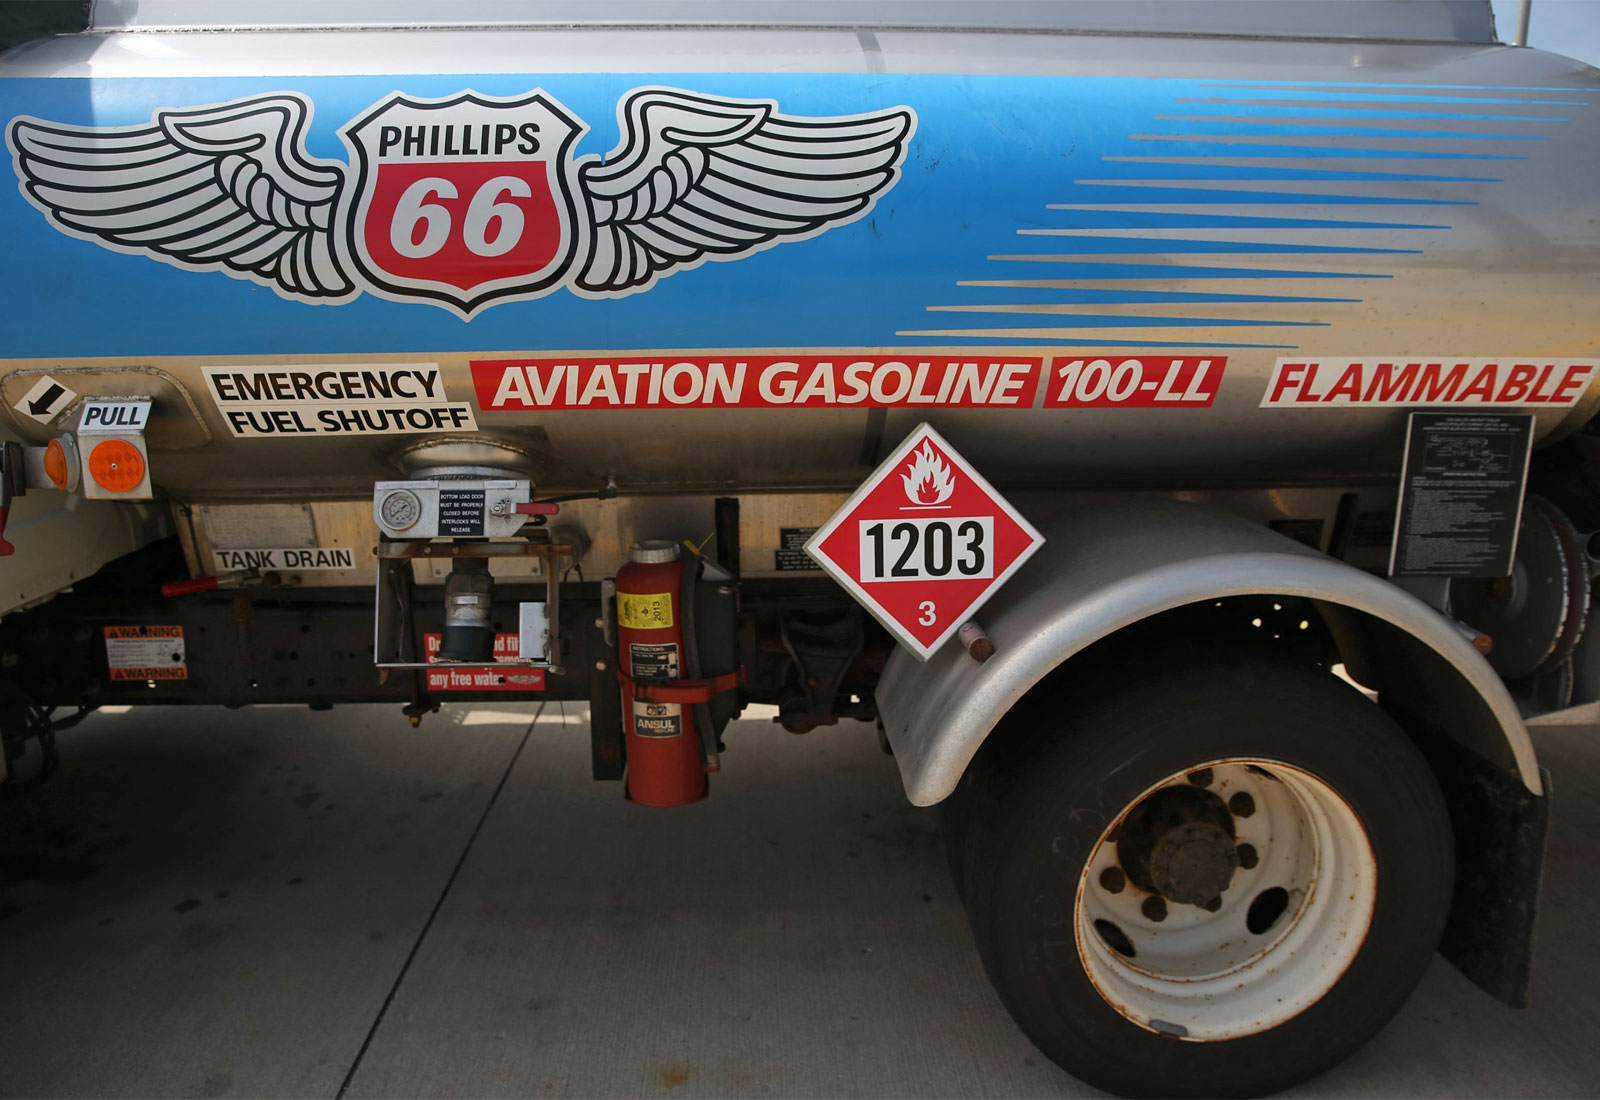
(188, 588)
(537, 508)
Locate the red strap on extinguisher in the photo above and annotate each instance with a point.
(680, 691)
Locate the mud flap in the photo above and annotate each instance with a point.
(1500, 829)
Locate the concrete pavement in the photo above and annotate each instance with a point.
(275, 902)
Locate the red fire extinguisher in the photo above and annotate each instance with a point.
(665, 764)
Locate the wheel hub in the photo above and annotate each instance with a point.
(1179, 843)
(1190, 940)
(1193, 863)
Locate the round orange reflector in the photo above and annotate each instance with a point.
(55, 464)
(116, 466)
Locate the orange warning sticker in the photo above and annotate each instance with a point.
(146, 653)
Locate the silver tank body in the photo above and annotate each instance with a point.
(1059, 197)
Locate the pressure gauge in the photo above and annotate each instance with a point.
(400, 509)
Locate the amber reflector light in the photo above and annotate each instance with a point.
(55, 464)
(116, 466)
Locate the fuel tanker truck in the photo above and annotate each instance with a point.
(1169, 423)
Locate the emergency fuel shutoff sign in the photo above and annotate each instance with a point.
(924, 542)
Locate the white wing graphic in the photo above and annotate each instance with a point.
(228, 187)
(701, 178)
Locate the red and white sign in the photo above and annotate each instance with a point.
(465, 199)
(482, 677)
(146, 653)
(841, 379)
(924, 542)
(1369, 383)
(1136, 382)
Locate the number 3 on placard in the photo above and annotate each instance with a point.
(928, 617)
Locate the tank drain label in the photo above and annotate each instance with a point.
(294, 560)
(272, 402)
(146, 653)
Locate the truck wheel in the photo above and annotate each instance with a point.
(1217, 882)
(953, 814)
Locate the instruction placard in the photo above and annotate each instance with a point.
(653, 661)
(461, 511)
(336, 399)
(146, 653)
(791, 552)
(1461, 493)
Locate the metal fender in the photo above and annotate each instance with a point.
(1107, 566)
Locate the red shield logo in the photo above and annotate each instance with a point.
(466, 200)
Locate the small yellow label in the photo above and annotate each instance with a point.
(650, 612)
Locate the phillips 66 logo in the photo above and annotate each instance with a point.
(465, 201)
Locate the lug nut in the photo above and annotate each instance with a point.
(1241, 805)
(1201, 778)
(1113, 880)
(1247, 856)
(1213, 905)
(1154, 908)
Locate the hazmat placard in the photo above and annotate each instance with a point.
(146, 653)
(341, 400)
(924, 542)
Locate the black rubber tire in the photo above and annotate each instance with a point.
(953, 814)
(1037, 804)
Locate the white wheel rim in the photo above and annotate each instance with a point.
(1208, 976)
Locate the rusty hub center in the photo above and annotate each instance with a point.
(1179, 843)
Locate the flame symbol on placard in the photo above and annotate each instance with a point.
(928, 480)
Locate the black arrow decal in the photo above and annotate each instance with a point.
(48, 398)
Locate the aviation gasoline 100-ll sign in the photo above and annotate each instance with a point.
(924, 542)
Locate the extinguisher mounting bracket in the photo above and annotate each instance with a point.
(680, 691)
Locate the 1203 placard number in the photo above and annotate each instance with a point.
(927, 549)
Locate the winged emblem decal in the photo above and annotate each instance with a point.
(465, 201)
